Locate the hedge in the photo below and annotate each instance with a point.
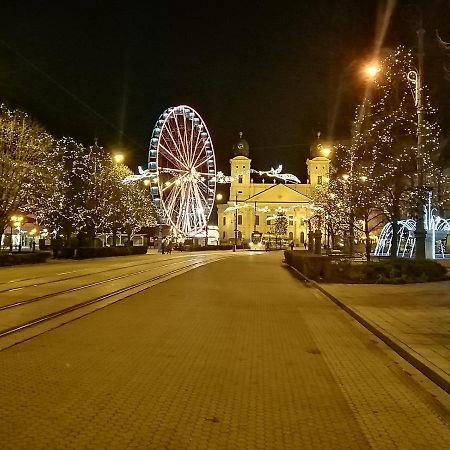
(99, 252)
(386, 271)
(15, 258)
(197, 248)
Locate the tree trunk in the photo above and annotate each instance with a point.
(114, 236)
(367, 233)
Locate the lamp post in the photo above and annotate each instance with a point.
(421, 234)
(424, 246)
(16, 221)
(235, 224)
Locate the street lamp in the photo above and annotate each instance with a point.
(424, 246)
(235, 224)
(372, 70)
(16, 221)
(118, 158)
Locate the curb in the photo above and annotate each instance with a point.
(435, 374)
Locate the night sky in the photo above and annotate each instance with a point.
(278, 70)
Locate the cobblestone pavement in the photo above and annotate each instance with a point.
(417, 315)
(234, 355)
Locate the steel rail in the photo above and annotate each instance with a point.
(76, 276)
(72, 308)
(79, 288)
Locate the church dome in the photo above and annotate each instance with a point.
(241, 147)
(320, 148)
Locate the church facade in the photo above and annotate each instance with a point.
(254, 200)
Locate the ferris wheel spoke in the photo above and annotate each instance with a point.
(185, 140)
(192, 136)
(170, 156)
(172, 208)
(181, 143)
(177, 146)
(177, 153)
(204, 161)
(199, 206)
(200, 153)
(170, 170)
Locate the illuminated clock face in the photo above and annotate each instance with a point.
(240, 146)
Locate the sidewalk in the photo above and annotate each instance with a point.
(413, 317)
(234, 355)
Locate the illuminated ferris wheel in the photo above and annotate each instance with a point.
(181, 160)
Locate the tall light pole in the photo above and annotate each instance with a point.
(421, 233)
(235, 224)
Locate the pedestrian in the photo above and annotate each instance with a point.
(163, 247)
(292, 245)
(33, 245)
(305, 244)
(169, 247)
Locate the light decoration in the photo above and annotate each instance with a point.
(274, 173)
(181, 158)
(438, 227)
(375, 174)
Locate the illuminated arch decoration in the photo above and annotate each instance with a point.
(439, 227)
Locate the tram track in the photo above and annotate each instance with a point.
(11, 289)
(85, 286)
(128, 291)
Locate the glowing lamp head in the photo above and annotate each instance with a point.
(326, 151)
(147, 182)
(345, 177)
(219, 196)
(372, 70)
(118, 158)
(363, 178)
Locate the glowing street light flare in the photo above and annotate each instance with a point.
(219, 196)
(372, 70)
(326, 151)
(119, 158)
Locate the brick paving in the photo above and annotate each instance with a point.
(417, 315)
(234, 355)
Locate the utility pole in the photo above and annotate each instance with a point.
(421, 233)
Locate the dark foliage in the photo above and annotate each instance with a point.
(99, 252)
(388, 271)
(12, 259)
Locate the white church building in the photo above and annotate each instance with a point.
(256, 198)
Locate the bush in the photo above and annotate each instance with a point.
(12, 259)
(197, 248)
(386, 271)
(100, 252)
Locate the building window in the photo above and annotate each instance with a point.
(224, 235)
(319, 179)
(240, 179)
(291, 236)
(267, 221)
(291, 220)
(256, 220)
(239, 192)
(224, 220)
(239, 219)
(302, 237)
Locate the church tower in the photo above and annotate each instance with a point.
(240, 170)
(319, 164)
